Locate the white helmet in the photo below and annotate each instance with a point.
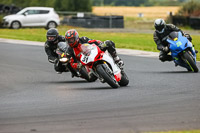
(160, 25)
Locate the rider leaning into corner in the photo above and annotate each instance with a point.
(53, 38)
(161, 31)
(72, 38)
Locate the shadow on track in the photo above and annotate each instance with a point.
(175, 72)
(95, 88)
(101, 88)
(64, 82)
(168, 72)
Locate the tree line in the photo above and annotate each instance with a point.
(138, 2)
(86, 5)
(59, 5)
(191, 7)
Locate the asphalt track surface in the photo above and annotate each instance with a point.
(33, 98)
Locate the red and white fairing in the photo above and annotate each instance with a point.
(92, 53)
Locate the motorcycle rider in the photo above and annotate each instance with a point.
(53, 38)
(161, 31)
(72, 38)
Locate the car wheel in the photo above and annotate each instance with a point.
(51, 24)
(15, 25)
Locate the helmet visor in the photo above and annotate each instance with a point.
(51, 38)
(71, 40)
(160, 28)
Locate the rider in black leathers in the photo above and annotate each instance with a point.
(163, 30)
(53, 38)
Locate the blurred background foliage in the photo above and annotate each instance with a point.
(59, 5)
(188, 6)
(191, 8)
(86, 5)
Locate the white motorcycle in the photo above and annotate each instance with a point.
(102, 65)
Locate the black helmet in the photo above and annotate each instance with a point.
(52, 35)
(159, 25)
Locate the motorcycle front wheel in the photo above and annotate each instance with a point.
(108, 78)
(190, 61)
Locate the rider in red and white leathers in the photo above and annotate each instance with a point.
(72, 38)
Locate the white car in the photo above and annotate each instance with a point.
(32, 17)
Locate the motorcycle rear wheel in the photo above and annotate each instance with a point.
(106, 76)
(190, 61)
(124, 80)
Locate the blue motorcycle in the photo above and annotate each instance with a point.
(182, 51)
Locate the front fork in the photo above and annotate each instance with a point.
(106, 68)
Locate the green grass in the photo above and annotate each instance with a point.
(122, 40)
(192, 131)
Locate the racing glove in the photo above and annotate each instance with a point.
(165, 49)
(188, 37)
(76, 65)
(79, 65)
(84, 39)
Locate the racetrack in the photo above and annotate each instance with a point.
(33, 98)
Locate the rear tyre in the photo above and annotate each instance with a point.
(124, 80)
(190, 61)
(15, 25)
(108, 78)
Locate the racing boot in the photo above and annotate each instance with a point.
(117, 60)
(196, 51)
(59, 72)
(176, 64)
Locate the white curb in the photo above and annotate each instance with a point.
(120, 51)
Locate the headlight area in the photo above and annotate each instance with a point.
(63, 59)
(5, 23)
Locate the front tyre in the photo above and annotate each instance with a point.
(190, 61)
(15, 25)
(108, 78)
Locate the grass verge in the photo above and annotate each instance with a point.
(191, 131)
(122, 40)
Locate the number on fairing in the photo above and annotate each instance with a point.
(85, 59)
(178, 44)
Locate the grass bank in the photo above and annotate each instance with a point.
(122, 40)
(190, 131)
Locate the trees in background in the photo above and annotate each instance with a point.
(73, 5)
(191, 8)
(138, 2)
(69, 5)
(59, 5)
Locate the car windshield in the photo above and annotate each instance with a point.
(21, 12)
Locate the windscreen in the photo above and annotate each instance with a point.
(173, 35)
